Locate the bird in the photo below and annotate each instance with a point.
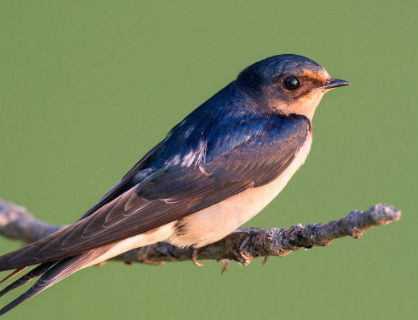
(214, 171)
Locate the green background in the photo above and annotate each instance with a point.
(88, 87)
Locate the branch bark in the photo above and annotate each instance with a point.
(242, 245)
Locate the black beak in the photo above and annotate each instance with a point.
(335, 83)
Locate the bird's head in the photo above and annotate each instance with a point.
(287, 84)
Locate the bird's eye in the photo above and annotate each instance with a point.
(291, 83)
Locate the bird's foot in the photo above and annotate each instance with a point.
(266, 258)
(245, 258)
(225, 265)
(194, 258)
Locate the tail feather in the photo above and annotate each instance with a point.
(13, 274)
(34, 273)
(50, 273)
(50, 276)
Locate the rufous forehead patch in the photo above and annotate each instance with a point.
(320, 75)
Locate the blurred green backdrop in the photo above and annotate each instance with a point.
(88, 87)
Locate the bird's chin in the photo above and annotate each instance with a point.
(305, 105)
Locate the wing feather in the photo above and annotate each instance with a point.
(169, 193)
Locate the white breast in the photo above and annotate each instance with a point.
(217, 221)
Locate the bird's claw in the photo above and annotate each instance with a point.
(194, 259)
(266, 258)
(225, 265)
(246, 258)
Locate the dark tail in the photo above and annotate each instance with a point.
(35, 273)
(50, 273)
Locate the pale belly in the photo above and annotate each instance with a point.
(215, 222)
(141, 240)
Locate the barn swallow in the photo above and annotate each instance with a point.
(214, 171)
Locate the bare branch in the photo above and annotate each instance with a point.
(242, 245)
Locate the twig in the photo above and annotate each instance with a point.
(242, 245)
